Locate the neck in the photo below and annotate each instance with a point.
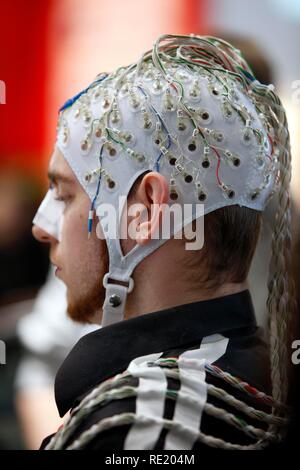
(161, 284)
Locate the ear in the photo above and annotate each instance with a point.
(153, 192)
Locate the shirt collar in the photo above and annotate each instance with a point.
(108, 351)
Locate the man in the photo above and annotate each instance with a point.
(179, 358)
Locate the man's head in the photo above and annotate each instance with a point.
(81, 262)
(230, 235)
(192, 117)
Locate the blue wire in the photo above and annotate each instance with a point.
(248, 75)
(161, 154)
(164, 126)
(90, 221)
(71, 101)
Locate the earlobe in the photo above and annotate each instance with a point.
(143, 234)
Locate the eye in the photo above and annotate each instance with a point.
(64, 198)
(61, 196)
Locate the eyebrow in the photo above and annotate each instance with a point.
(55, 176)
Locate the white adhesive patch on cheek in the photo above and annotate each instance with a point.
(60, 227)
(49, 216)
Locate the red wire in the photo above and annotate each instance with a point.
(226, 60)
(218, 165)
(272, 145)
(175, 87)
(201, 62)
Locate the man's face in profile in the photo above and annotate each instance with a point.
(81, 262)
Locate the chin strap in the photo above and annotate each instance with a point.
(115, 300)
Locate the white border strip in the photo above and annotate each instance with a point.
(191, 366)
(150, 402)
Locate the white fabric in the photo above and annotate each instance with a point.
(191, 366)
(150, 403)
(151, 396)
(49, 216)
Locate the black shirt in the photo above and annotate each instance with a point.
(106, 352)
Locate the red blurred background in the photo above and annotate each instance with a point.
(43, 43)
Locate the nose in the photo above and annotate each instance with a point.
(41, 235)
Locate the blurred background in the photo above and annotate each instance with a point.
(49, 51)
